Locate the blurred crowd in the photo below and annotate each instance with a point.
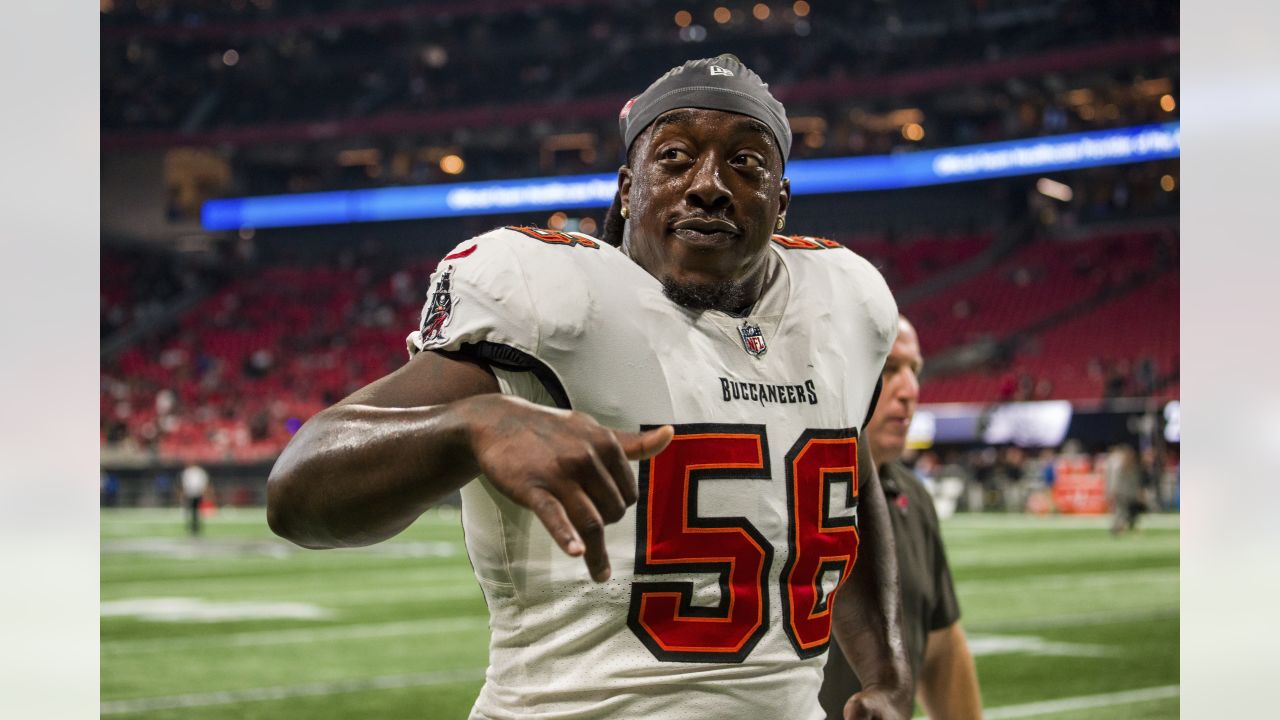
(140, 284)
(1015, 479)
(1118, 378)
(536, 91)
(338, 62)
(232, 377)
(268, 96)
(235, 376)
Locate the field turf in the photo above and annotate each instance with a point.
(1067, 622)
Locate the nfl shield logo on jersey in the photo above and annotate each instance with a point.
(752, 338)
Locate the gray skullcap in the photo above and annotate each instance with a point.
(718, 83)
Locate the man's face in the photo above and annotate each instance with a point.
(887, 431)
(704, 190)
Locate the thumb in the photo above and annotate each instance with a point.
(644, 445)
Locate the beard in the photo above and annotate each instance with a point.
(726, 296)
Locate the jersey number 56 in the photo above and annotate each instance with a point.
(672, 537)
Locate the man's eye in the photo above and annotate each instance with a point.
(674, 154)
(748, 160)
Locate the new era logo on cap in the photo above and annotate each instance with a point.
(717, 70)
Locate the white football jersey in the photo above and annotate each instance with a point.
(745, 525)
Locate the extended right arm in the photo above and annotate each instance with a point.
(363, 470)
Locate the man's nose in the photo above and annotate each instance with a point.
(706, 189)
(907, 388)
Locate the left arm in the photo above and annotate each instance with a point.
(867, 617)
(948, 678)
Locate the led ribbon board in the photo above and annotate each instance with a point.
(808, 177)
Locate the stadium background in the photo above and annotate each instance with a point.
(1046, 302)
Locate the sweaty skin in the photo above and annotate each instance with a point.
(363, 470)
(703, 195)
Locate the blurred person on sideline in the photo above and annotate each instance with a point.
(195, 482)
(1124, 488)
(1152, 467)
(108, 490)
(674, 410)
(946, 677)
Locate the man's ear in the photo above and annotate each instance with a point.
(624, 187)
(784, 196)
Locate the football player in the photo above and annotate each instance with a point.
(681, 412)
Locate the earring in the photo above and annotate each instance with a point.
(782, 221)
(625, 212)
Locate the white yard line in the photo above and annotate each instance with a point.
(1082, 702)
(368, 576)
(125, 517)
(299, 635)
(460, 589)
(982, 645)
(284, 692)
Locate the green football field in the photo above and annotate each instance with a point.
(1066, 621)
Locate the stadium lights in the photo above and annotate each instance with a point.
(760, 11)
(1051, 154)
(452, 164)
(1080, 96)
(683, 18)
(722, 15)
(800, 8)
(1054, 189)
(888, 122)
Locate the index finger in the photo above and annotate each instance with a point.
(556, 521)
(590, 528)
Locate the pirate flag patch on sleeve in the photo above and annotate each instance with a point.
(439, 311)
(479, 293)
